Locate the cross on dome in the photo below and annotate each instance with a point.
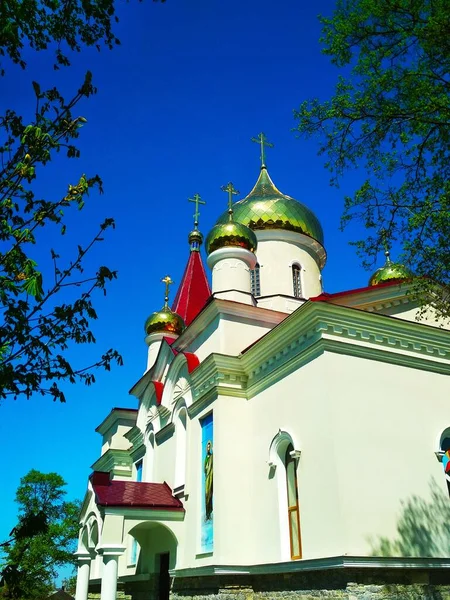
(168, 281)
(261, 139)
(197, 200)
(230, 189)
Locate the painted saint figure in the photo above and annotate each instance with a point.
(208, 481)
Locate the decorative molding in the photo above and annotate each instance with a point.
(166, 432)
(115, 461)
(311, 330)
(439, 455)
(181, 388)
(316, 564)
(135, 436)
(145, 514)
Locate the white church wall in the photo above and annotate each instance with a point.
(228, 336)
(386, 419)
(298, 405)
(427, 317)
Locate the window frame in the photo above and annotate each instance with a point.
(296, 280)
(290, 464)
(255, 280)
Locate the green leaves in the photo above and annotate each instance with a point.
(41, 317)
(390, 119)
(43, 540)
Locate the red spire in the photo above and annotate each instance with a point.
(194, 289)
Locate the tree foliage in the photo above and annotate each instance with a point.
(390, 117)
(65, 25)
(43, 540)
(38, 321)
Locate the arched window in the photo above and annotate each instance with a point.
(255, 281)
(296, 281)
(292, 501)
(283, 464)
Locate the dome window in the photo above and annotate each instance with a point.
(255, 281)
(296, 281)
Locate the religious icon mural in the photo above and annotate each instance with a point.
(207, 513)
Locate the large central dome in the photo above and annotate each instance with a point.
(267, 208)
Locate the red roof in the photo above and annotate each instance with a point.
(324, 297)
(194, 289)
(136, 494)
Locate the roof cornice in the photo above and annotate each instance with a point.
(116, 414)
(115, 461)
(227, 309)
(313, 329)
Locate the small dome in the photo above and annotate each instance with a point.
(232, 234)
(164, 320)
(390, 271)
(195, 237)
(267, 208)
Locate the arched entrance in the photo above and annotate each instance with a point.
(157, 554)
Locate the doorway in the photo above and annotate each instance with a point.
(164, 577)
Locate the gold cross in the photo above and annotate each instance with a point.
(231, 192)
(168, 281)
(262, 141)
(197, 199)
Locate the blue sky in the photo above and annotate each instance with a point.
(176, 107)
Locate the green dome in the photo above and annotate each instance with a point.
(390, 271)
(267, 208)
(230, 233)
(164, 320)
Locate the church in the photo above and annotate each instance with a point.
(286, 442)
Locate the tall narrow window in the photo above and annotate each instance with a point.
(139, 470)
(255, 281)
(296, 281)
(292, 498)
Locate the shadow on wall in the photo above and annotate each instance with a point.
(423, 529)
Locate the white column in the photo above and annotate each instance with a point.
(109, 577)
(231, 273)
(84, 567)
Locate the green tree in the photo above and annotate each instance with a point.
(390, 118)
(44, 538)
(43, 311)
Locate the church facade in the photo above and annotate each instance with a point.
(286, 441)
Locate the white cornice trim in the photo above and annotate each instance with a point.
(317, 564)
(145, 514)
(114, 460)
(226, 309)
(117, 414)
(312, 329)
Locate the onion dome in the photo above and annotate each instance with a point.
(267, 208)
(165, 320)
(390, 271)
(195, 239)
(232, 234)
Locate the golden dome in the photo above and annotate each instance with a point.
(164, 320)
(268, 208)
(195, 238)
(390, 271)
(230, 233)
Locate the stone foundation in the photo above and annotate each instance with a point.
(332, 584)
(338, 584)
